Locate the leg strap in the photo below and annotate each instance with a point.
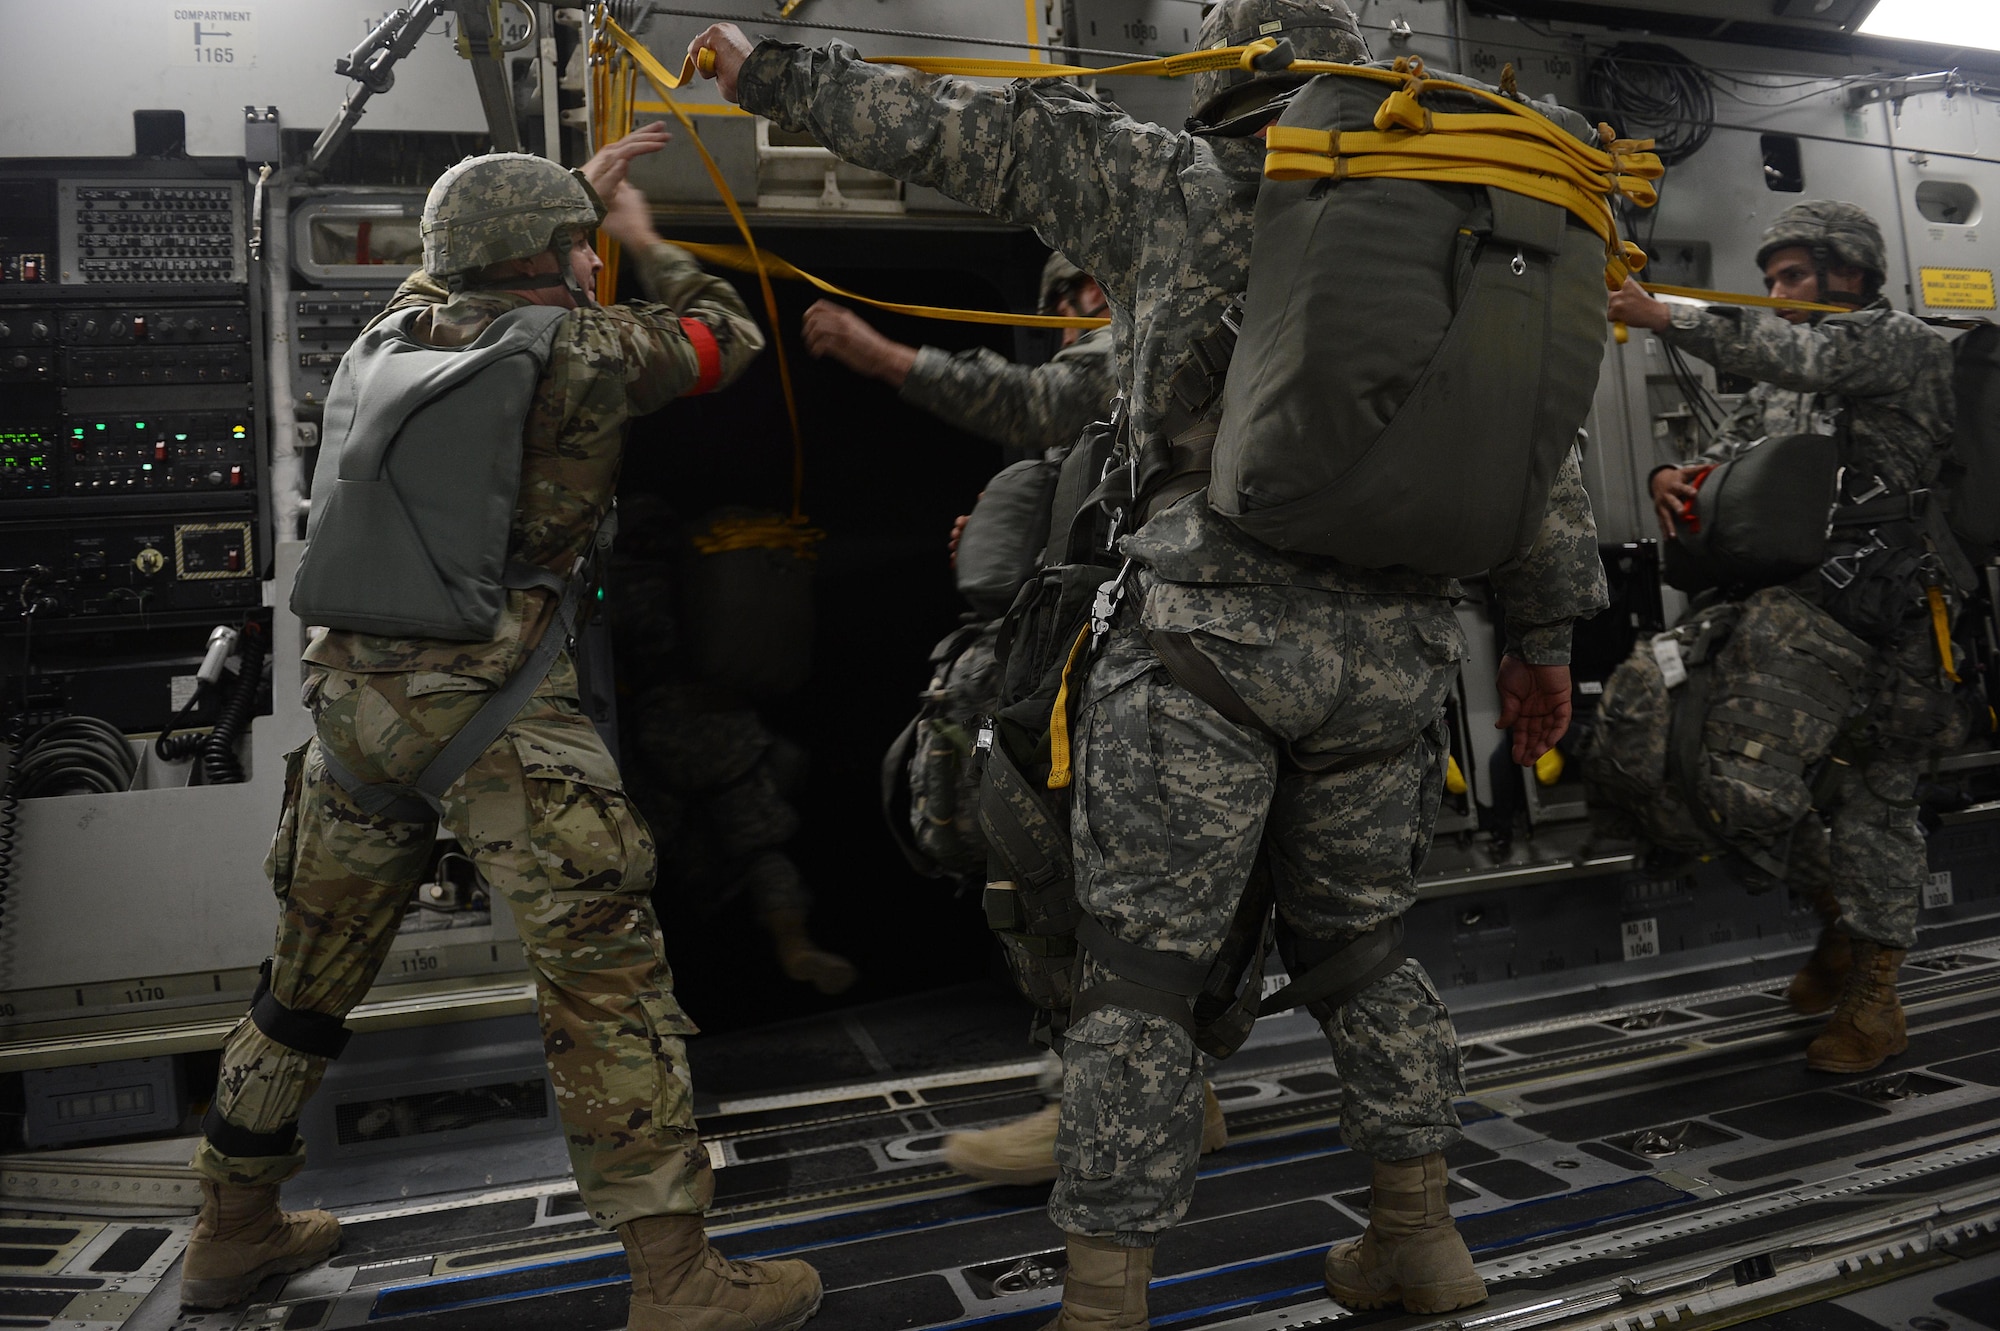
(1327, 973)
(1162, 983)
(319, 1034)
(242, 1143)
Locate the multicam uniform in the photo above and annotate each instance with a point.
(1172, 801)
(542, 812)
(1028, 407)
(1892, 375)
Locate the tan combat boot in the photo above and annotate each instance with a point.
(804, 960)
(1818, 984)
(1867, 1026)
(1105, 1289)
(680, 1283)
(241, 1238)
(1024, 1151)
(1410, 1253)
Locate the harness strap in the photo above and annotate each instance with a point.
(1166, 971)
(320, 1034)
(243, 1144)
(1336, 969)
(1192, 670)
(1124, 993)
(1036, 853)
(422, 801)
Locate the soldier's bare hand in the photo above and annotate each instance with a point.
(1671, 490)
(607, 166)
(628, 218)
(958, 530)
(731, 49)
(836, 331)
(1631, 305)
(1534, 704)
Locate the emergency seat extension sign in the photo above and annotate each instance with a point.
(1957, 288)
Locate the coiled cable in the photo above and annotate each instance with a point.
(76, 755)
(1650, 90)
(219, 764)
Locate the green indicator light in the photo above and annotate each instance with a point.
(600, 593)
(138, 425)
(145, 466)
(180, 436)
(100, 425)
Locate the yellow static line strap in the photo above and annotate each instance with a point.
(662, 109)
(759, 534)
(748, 258)
(1743, 298)
(662, 80)
(1059, 769)
(739, 258)
(1511, 146)
(1941, 627)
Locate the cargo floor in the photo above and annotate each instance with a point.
(1643, 1147)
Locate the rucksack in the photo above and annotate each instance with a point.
(1708, 738)
(418, 475)
(930, 783)
(1972, 483)
(1414, 358)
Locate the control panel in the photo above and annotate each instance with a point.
(129, 566)
(119, 231)
(130, 453)
(324, 325)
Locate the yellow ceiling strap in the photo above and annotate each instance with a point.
(1744, 298)
(748, 258)
(662, 81)
(740, 258)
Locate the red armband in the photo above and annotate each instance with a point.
(707, 354)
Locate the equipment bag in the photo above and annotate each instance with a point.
(1004, 535)
(930, 783)
(418, 474)
(1414, 361)
(1973, 484)
(1708, 736)
(1758, 519)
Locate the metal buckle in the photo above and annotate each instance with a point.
(1841, 570)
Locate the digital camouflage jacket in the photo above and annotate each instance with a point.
(1162, 219)
(1029, 407)
(1889, 369)
(606, 367)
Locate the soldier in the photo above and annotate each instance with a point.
(1172, 800)
(540, 811)
(1032, 408)
(1890, 377)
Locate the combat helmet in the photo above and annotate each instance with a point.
(1058, 276)
(1834, 232)
(486, 210)
(1317, 30)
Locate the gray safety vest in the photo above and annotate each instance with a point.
(413, 507)
(418, 476)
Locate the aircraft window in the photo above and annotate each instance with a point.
(1949, 202)
(1783, 172)
(366, 240)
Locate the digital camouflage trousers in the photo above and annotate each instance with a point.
(543, 816)
(1171, 807)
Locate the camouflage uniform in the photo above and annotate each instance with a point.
(1893, 376)
(541, 813)
(1028, 407)
(1171, 800)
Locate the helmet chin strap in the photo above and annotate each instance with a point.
(567, 273)
(1825, 296)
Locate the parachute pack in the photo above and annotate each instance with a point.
(417, 479)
